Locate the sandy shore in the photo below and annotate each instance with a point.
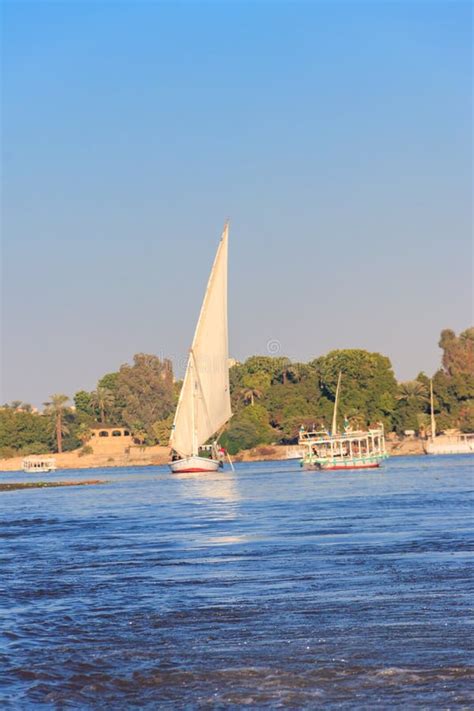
(141, 456)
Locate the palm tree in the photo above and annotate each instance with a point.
(56, 409)
(103, 399)
(411, 391)
(249, 395)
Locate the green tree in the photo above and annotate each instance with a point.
(453, 384)
(147, 391)
(247, 429)
(264, 364)
(20, 431)
(412, 402)
(109, 381)
(103, 399)
(458, 352)
(368, 386)
(83, 402)
(162, 430)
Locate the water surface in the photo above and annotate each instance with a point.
(271, 587)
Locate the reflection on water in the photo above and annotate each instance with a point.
(222, 485)
(269, 588)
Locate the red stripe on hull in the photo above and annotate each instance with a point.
(194, 471)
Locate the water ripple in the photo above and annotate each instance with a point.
(270, 588)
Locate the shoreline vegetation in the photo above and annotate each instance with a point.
(127, 419)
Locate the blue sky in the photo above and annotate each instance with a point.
(336, 136)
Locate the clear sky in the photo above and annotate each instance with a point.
(336, 136)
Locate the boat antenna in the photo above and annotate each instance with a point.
(336, 402)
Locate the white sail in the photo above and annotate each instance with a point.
(204, 402)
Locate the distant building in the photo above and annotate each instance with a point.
(105, 439)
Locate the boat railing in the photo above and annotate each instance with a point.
(313, 436)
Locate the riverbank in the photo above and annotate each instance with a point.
(137, 456)
(157, 456)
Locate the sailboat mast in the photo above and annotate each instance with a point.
(433, 421)
(336, 402)
(193, 408)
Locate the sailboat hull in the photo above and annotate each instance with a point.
(200, 465)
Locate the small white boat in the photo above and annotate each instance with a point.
(38, 465)
(204, 402)
(447, 444)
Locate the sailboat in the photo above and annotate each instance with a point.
(204, 402)
(444, 444)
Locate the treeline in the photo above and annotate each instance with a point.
(271, 398)
(140, 396)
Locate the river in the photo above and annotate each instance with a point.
(267, 588)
